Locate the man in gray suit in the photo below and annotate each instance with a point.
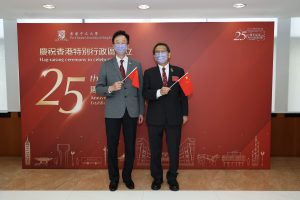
(124, 107)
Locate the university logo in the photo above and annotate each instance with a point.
(61, 35)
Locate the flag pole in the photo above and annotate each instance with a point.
(128, 74)
(178, 80)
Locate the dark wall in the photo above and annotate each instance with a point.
(10, 134)
(285, 135)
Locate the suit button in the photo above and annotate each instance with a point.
(125, 96)
(125, 88)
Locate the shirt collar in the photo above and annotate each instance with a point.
(125, 59)
(161, 67)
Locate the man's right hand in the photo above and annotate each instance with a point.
(164, 90)
(116, 86)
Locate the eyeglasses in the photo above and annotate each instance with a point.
(161, 51)
(120, 42)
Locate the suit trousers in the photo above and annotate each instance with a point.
(173, 137)
(113, 128)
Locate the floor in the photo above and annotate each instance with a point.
(149, 195)
(282, 181)
(284, 175)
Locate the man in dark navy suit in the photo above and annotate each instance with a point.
(167, 111)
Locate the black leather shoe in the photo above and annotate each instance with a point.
(174, 186)
(156, 185)
(129, 184)
(113, 185)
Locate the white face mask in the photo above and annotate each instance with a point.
(161, 57)
(120, 48)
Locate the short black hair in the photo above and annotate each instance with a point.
(161, 44)
(118, 33)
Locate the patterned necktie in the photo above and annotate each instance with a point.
(122, 70)
(164, 77)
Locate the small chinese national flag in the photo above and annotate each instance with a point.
(134, 77)
(186, 84)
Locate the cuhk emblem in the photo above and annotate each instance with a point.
(61, 34)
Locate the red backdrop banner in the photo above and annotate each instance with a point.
(230, 65)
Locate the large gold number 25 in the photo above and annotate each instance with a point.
(79, 102)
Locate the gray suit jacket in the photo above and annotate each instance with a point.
(128, 97)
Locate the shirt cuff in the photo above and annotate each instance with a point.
(108, 90)
(158, 94)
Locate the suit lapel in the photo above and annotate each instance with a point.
(130, 66)
(170, 82)
(116, 68)
(158, 75)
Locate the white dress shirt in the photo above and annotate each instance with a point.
(125, 63)
(158, 94)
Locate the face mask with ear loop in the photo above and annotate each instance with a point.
(161, 57)
(120, 48)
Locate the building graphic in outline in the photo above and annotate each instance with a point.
(205, 160)
(27, 152)
(186, 155)
(143, 152)
(255, 153)
(91, 161)
(105, 155)
(233, 159)
(63, 154)
(187, 152)
(72, 156)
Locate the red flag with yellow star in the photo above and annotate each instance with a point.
(134, 77)
(186, 84)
